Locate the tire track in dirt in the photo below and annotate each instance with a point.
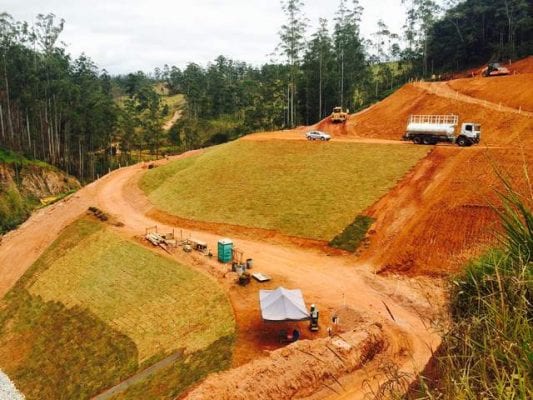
(443, 89)
(168, 124)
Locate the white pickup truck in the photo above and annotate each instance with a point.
(432, 129)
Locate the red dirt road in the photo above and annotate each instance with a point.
(22, 247)
(330, 281)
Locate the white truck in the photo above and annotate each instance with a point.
(432, 129)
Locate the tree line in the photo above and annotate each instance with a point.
(52, 108)
(474, 32)
(335, 66)
(73, 115)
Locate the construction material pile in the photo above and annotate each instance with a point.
(163, 241)
(297, 370)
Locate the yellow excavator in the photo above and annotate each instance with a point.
(338, 115)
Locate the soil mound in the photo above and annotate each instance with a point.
(297, 370)
(522, 66)
(502, 105)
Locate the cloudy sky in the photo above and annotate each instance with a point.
(129, 35)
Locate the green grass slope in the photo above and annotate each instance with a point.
(96, 308)
(305, 189)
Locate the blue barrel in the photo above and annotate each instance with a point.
(225, 250)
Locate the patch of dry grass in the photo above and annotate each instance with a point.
(96, 308)
(159, 304)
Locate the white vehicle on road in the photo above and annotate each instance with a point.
(317, 135)
(432, 129)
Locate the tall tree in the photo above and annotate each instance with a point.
(421, 15)
(350, 53)
(292, 43)
(51, 107)
(318, 78)
(473, 32)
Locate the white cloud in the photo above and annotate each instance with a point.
(129, 35)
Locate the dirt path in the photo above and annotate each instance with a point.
(443, 89)
(299, 134)
(330, 281)
(22, 247)
(122, 386)
(168, 124)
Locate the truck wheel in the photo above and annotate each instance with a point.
(309, 138)
(427, 140)
(322, 138)
(462, 141)
(417, 140)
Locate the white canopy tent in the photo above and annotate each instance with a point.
(283, 305)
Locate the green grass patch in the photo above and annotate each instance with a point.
(54, 352)
(304, 189)
(10, 157)
(351, 237)
(174, 102)
(14, 208)
(96, 308)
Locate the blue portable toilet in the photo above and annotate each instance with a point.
(225, 250)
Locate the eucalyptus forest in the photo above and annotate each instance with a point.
(70, 113)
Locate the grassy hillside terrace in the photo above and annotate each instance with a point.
(97, 308)
(312, 190)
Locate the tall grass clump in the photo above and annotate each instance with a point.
(488, 353)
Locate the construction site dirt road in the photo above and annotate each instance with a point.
(330, 281)
(435, 219)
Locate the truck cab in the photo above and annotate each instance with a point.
(470, 134)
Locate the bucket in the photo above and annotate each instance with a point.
(249, 263)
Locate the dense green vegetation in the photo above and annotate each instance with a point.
(95, 309)
(14, 208)
(299, 188)
(334, 65)
(62, 110)
(16, 201)
(474, 32)
(52, 108)
(353, 235)
(488, 351)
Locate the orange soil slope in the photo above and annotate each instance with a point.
(388, 119)
(514, 91)
(439, 216)
(522, 66)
